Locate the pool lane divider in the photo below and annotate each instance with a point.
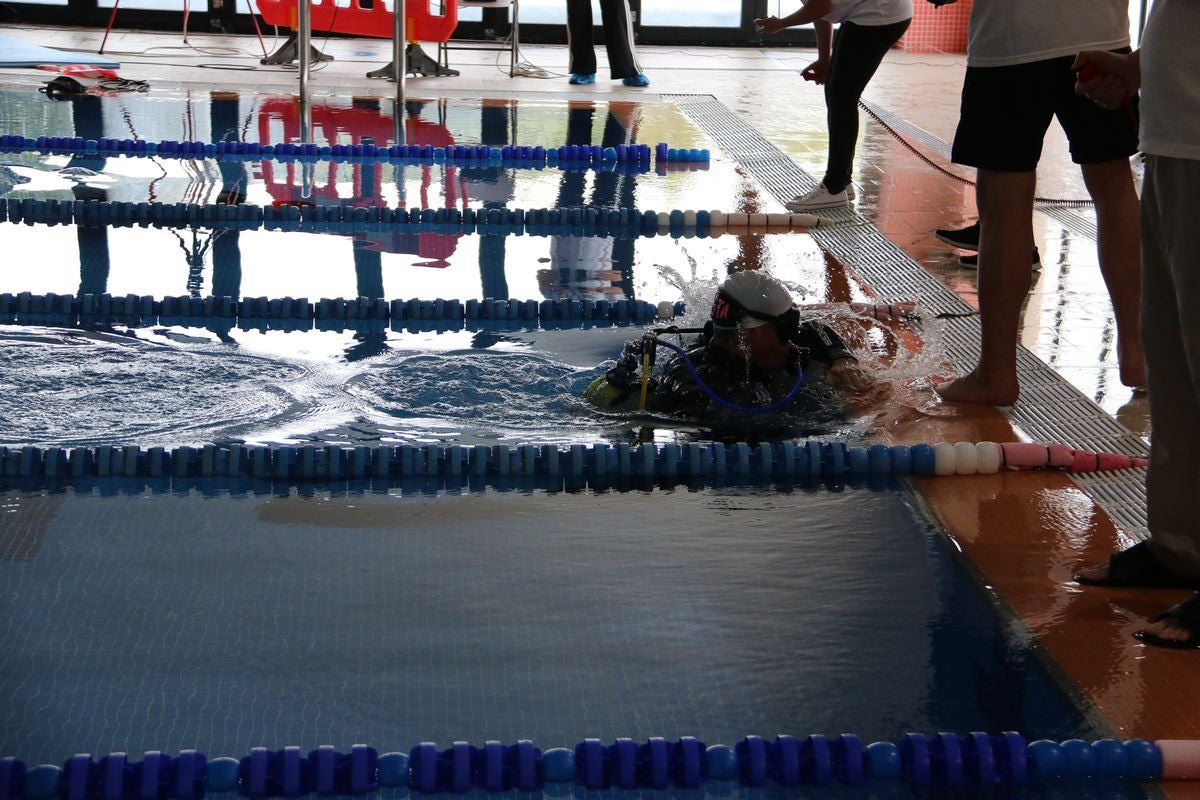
(299, 314)
(938, 761)
(637, 156)
(808, 461)
(621, 223)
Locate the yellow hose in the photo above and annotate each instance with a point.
(645, 377)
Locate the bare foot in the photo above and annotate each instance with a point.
(1168, 629)
(974, 388)
(1098, 573)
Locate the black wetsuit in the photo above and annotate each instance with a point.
(735, 380)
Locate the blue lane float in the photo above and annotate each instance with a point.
(304, 216)
(836, 463)
(938, 761)
(359, 313)
(298, 314)
(636, 156)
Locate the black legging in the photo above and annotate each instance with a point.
(857, 52)
(618, 38)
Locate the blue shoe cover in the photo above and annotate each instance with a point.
(580, 79)
(637, 80)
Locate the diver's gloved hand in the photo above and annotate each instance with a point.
(847, 375)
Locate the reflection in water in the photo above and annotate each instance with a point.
(600, 268)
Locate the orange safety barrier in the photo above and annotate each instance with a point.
(366, 118)
(367, 18)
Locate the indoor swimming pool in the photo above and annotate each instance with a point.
(225, 614)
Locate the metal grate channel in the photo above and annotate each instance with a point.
(1077, 219)
(1050, 410)
(911, 131)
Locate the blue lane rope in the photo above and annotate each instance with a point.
(940, 760)
(621, 223)
(636, 156)
(297, 314)
(704, 387)
(339, 313)
(798, 462)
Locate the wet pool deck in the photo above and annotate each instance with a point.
(1026, 532)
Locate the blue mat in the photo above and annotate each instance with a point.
(16, 53)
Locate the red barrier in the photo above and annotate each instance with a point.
(331, 124)
(367, 18)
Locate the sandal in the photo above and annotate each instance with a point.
(1187, 616)
(1137, 566)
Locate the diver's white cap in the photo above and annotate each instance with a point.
(755, 291)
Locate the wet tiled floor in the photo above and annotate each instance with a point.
(1026, 532)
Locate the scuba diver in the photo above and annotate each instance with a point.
(750, 358)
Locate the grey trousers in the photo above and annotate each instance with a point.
(1170, 325)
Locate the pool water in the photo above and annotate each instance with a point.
(373, 264)
(190, 385)
(239, 620)
(224, 616)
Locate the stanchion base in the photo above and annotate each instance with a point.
(289, 52)
(419, 63)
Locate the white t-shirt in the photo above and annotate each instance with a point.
(1170, 103)
(869, 12)
(1006, 32)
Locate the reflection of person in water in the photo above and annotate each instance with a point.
(492, 186)
(594, 267)
(752, 357)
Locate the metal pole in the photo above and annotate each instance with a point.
(307, 167)
(304, 44)
(399, 57)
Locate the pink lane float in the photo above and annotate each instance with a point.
(970, 458)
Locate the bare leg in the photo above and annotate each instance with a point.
(1118, 244)
(1005, 201)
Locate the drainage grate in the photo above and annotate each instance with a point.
(1050, 410)
(1076, 219)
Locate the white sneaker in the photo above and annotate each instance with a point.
(817, 199)
(849, 191)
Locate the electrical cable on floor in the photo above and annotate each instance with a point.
(953, 175)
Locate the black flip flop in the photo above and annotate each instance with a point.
(1138, 567)
(1187, 616)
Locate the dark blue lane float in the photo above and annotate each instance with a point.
(26, 308)
(620, 223)
(636, 156)
(797, 462)
(942, 760)
(337, 313)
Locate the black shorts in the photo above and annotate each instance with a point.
(1006, 111)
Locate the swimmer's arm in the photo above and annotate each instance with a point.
(848, 375)
(823, 343)
(842, 367)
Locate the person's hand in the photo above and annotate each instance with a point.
(1109, 80)
(847, 375)
(769, 25)
(816, 72)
